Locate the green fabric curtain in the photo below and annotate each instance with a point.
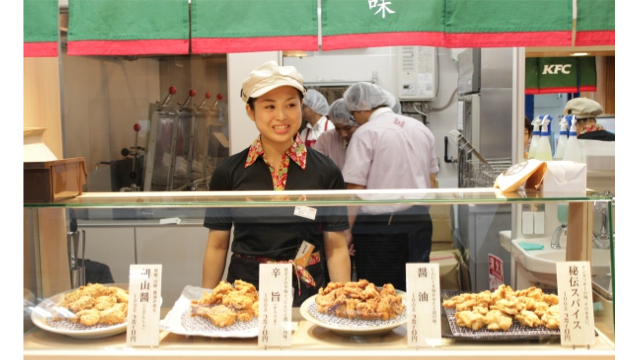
(224, 26)
(531, 75)
(508, 23)
(40, 28)
(446, 23)
(560, 75)
(146, 27)
(366, 23)
(596, 23)
(128, 27)
(588, 74)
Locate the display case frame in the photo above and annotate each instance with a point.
(44, 223)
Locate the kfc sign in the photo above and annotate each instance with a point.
(554, 68)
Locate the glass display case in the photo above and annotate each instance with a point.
(101, 234)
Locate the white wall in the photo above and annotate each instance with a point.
(445, 120)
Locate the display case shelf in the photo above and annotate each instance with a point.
(315, 198)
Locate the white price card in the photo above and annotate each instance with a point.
(305, 212)
(575, 303)
(143, 318)
(423, 305)
(276, 299)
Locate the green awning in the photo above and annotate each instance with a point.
(560, 75)
(596, 23)
(228, 26)
(40, 28)
(128, 27)
(360, 23)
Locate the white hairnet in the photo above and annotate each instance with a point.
(395, 107)
(365, 96)
(316, 102)
(338, 114)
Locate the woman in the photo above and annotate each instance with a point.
(586, 110)
(277, 160)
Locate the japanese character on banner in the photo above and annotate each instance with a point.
(382, 5)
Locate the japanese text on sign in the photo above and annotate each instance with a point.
(382, 7)
(423, 290)
(576, 311)
(144, 305)
(275, 297)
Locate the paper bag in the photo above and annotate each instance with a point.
(565, 176)
(530, 173)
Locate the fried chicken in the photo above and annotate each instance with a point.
(360, 299)
(470, 320)
(496, 320)
(96, 304)
(221, 316)
(87, 317)
(496, 310)
(226, 303)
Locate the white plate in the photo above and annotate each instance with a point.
(351, 327)
(43, 311)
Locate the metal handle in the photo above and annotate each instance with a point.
(446, 152)
(76, 257)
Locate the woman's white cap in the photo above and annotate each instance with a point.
(268, 77)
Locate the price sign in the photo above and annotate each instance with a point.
(423, 305)
(575, 303)
(276, 299)
(143, 317)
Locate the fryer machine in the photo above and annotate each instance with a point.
(185, 144)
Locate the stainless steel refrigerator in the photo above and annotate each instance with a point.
(485, 122)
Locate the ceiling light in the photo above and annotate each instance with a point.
(294, 53)
(579, 54)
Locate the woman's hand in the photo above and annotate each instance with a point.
(349, 240)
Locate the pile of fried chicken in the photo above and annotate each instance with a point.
(360, 299)
(225, 303)
(96, 304)
(496, 310)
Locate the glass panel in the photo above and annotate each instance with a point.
(316, 198)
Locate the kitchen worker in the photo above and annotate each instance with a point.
(388, 151)
(334, 142)
(276, 160)
(314, 110)
(586, 111)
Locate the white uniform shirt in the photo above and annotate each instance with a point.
(333, 145)
(311, 133)
(390, 151)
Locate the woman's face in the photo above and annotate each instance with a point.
(277, 115)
